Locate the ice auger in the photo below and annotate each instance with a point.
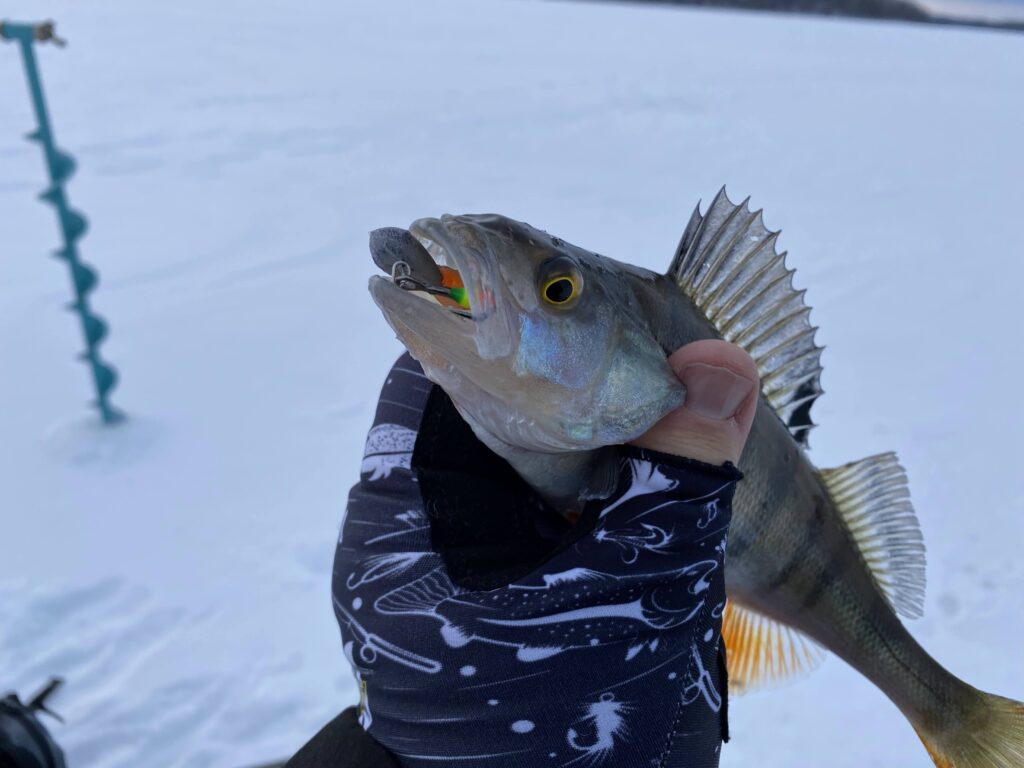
(61, 166)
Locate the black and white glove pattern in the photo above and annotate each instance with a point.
(604, 650)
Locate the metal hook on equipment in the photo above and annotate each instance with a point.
(401, 273)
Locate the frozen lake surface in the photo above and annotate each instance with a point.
(233, 156)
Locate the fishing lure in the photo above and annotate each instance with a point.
(451, 280)
(413, 269)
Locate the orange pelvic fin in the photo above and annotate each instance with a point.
(761, 651)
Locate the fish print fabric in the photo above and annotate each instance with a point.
(608, 652)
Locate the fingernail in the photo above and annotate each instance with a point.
(713, 391)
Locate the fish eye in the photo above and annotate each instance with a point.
(560, 290)
(561, 284)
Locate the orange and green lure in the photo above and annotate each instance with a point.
(452, 281)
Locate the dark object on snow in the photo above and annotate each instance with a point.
(24, 741)
(342, 743)
(866, 9)
(890, 10)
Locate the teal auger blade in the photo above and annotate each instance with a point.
(85, 279)
(73, 222)
(95, 329)
(106, 378)
(63, 166)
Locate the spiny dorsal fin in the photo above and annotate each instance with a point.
(760, 651)
(727, 264)
(874, 501)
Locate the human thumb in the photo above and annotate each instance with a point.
(714, 420)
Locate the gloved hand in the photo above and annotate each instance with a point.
(485, 629)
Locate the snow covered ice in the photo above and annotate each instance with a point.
(233, 156)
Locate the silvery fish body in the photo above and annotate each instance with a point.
(563, 353)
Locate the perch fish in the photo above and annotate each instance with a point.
(553, 353)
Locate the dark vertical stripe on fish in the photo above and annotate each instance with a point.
(809, 543)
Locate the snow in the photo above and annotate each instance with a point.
(233, 156)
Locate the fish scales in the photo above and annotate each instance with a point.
(550, 380)
(791, 556)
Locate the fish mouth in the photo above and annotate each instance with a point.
(438, 331)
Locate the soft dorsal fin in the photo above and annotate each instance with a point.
(873, 498)
(727, 264)
(761, 651)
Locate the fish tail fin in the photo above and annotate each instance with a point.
(991, 737)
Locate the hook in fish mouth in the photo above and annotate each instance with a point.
(436, 328)
(402, 276)
(451, 264)
(463, 346)
(420, 266)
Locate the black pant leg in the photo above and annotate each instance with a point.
(342, 743)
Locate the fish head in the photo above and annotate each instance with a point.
(555, 353)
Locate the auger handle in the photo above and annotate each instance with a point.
(43, 32)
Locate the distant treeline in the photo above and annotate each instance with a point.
(869, 9)
(900, 10)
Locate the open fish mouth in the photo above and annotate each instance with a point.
(444, 287)
(523, 370)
